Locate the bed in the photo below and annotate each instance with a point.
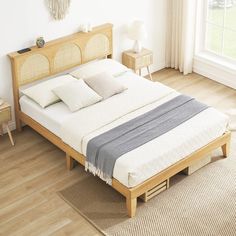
(155, 161)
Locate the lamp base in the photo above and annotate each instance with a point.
(137, 46)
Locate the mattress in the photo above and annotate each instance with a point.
(147, 160)
(50, 117)
(164, 151)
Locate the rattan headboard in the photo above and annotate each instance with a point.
(59, 55)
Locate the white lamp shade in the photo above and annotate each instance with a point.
(137, 31)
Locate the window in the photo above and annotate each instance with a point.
(220, 23)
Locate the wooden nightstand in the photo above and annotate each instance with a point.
(137, 61)
(5, 117)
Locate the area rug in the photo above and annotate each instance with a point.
(202, 204)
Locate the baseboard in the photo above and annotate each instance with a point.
(215, 72)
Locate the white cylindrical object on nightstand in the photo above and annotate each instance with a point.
(137, 46)
(138, 33)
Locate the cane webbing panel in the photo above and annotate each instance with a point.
(34, 67)
(68, 55)
(59, 56)
(97, 47)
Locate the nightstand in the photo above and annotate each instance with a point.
(5, 117)
(137, 61)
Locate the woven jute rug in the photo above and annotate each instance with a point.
(202, 204)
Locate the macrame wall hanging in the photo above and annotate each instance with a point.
(58, 8)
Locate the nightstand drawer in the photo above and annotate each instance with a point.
(143, 61)
(5, 115)
(137, 61)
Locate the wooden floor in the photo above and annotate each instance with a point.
(34, 170)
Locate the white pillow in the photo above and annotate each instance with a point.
(42, 93)
(106, 65)
(105, 85)
(77, 95)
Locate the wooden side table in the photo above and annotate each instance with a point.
(5, 117)
(137, 61)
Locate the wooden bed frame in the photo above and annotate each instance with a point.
(65, 53)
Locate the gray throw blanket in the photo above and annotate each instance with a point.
(105, 149)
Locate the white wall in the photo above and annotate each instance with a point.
(23, 21)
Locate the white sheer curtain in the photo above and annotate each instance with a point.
(180, 35)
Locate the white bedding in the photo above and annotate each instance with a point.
(50, 117)
(76, 129)
(140, 164)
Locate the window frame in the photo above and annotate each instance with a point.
(201, 33)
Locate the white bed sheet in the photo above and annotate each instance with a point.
(142, 163)
(50, 117)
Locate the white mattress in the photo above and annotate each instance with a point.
(142, 163)
(51, 117)
(162, 152)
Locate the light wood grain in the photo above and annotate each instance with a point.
(31, 66)
(131, 194)
(18, 168)
(58, 56)
(155, 191)
(9, 134)
(5, 117)
(131, 205)
(69, 162)
(28, 200)
(226, 149)
(137, 61)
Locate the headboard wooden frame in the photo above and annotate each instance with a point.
(58, 56)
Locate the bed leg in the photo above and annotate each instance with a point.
(131, 204)
(18, 125)
(69, 162)
(225, 149)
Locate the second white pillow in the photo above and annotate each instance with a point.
(77, 95)
(105, 85)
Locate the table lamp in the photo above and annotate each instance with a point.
(137, 32)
